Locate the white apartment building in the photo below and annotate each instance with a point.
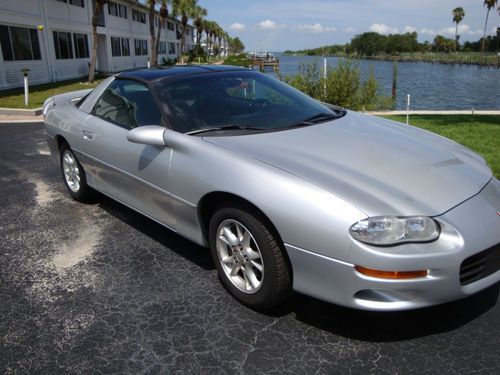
(53, 38)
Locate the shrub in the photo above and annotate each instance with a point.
(342, 86)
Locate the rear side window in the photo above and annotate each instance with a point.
(128, 104)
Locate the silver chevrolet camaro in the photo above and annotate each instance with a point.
(289, 193)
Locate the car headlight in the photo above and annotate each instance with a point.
(393, 230)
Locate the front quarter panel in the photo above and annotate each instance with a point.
(305, 215)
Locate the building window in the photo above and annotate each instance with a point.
(81, 46)
(19, 43)
(162, 48)
(80, 3)
(125, 47)
(171, 48)
(120, 46)
(170, 26)
(117, 10)
(141, 47)
(62, 45)
(138, 16)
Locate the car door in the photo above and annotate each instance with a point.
(135, 174)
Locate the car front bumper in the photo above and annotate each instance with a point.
(466, 230)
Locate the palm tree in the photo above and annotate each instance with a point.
(163, 18)
(186, 9)
(458, 16)
(99, 5)
(198, 23)
(489, 4)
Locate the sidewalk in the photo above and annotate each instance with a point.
(435, 112)
(9, 119)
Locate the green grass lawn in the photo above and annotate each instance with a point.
(15, 98)
(480, 133)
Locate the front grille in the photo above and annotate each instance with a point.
(480, 265)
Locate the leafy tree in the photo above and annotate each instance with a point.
(488, 4)
(98, 7)
(442, 44)
(458, 16)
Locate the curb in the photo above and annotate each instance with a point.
(21, 111)
(437, 112)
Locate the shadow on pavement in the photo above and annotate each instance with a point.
(189, 250)
(389, 326)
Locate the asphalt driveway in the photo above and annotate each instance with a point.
(97, 288)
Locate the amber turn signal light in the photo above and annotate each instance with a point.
(390, 274)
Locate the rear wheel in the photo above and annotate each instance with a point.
(249, 258)
(74, 175)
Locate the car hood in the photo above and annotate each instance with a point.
(380, 166)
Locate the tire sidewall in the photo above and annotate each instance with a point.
(80, 195)
(266, 295)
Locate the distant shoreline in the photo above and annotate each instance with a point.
(460, 58)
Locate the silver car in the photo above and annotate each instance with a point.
(289, 193)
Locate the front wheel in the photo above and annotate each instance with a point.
(74, 175)
(249, 258)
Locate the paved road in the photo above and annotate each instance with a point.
(98, 288)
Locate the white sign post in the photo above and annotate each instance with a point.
(408, 110)
(26, 86)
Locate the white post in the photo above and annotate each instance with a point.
(149, 64)
(408, 109)
(26, 92)
(324, 76)
(25, 72)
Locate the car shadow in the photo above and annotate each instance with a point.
(388, 326)
(194, 253)
(342, 321)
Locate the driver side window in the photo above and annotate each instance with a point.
(128, 104)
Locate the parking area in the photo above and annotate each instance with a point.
(98, 288)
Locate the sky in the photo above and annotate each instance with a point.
(277, 25)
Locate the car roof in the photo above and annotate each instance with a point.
(147, 75)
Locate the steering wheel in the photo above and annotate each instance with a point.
(258, 103)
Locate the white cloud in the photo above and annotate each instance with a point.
(237, 26)
(317, 28)
(463, 29)
(349, 30)
(428, 32)
(409, 29)
(270, 25)
(382, 28)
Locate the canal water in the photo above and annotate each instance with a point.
(431, 86)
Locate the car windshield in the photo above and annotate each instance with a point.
(236, 100)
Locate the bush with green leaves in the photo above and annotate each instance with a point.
(342, 86)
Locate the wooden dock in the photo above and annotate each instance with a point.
(263, 64)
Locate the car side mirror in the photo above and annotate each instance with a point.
(148, 135)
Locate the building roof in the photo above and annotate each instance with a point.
(146, 75)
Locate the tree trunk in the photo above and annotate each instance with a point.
(456, 40)
(183, 39)
(153, 56)
(95, 40)
(485, 26)
(157, 47)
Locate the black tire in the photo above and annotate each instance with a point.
(276, 284)
(84, 192)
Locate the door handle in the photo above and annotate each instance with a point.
(87, 134)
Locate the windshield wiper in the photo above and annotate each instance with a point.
(316, 119)
(225, 127)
